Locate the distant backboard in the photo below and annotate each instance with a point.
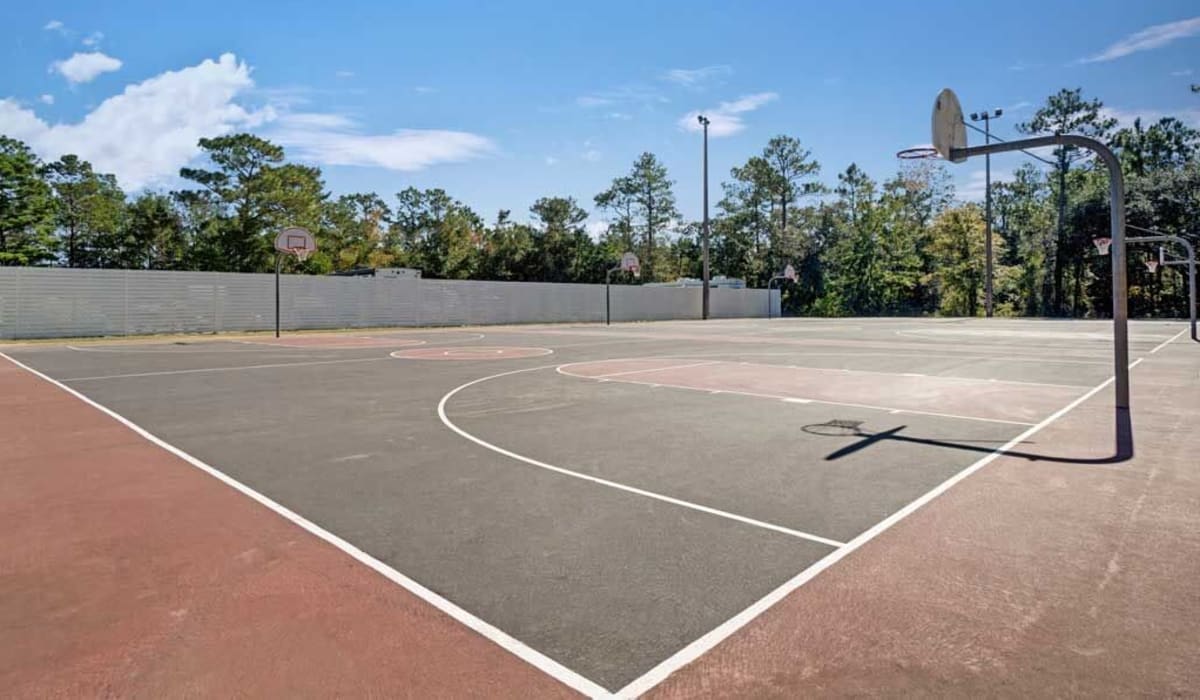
(629, 263)
(789, 273)
(296, 241)
(949, 130)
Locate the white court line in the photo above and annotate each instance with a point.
(1166, 342)
(201, 370)
(715, 636)
(406, 343)
(915, 354)
(514, 646)
(441, 409)
(609, 342)
(478, 336)
(800, 399)
(650, 369)
(164, 351)
(951, 378)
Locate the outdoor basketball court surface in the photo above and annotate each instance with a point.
(721, 508)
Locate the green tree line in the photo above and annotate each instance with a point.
(904, 245)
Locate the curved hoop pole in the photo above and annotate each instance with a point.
(1120, 303)
(1191, 263)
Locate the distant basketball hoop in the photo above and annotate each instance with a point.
(290, 241)
(628, 263)
(295, 241)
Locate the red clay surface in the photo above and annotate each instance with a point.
(124, 571)
(1029, 578)
(972, 398)
(336, 342)
(471, 353)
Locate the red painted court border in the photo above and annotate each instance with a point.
(471, 353)
(492, 634)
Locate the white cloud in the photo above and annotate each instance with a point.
(344, 74)
(85, 67)
(592, 155)
(46, 99)
(1126, 117)
(1017, 107)
(626, 94)
(975, 187)
(55, 25)
(726, 118)
(424, 90)
(1149, 38)
(619, 116)
(331, 139)
(1181, 73)
(551, 160)
(145, 134)
(596, 228)
(697, 77)
(149, 131)
(93, 39)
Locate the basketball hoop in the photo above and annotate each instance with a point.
(1102, 244)
(919, 153)
(1152, 265)
(629, 263)
(295, 241)
(291, 241)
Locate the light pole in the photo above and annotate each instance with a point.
(986, 118)
(704, 232)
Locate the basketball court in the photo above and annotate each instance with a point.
(611, 509)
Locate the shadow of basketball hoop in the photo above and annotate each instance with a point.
(848, 428)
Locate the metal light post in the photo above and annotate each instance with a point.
(986, 118)
(704, 233)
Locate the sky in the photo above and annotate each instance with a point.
(502, 103)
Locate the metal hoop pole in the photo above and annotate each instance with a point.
(278, 262)
(1120, 304)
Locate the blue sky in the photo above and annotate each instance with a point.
(501, 103)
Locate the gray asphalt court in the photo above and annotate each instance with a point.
(605, 495)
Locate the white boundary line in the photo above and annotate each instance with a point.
(441, 410)
(164, 351)
(514, 646)
(842, 370)
(790, 399)
(1167, 342)
(390, 343)
(905, 354)
(447, 350)
(200, 370)
(639, 371)
(700, 646)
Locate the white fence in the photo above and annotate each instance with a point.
(38, 302)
